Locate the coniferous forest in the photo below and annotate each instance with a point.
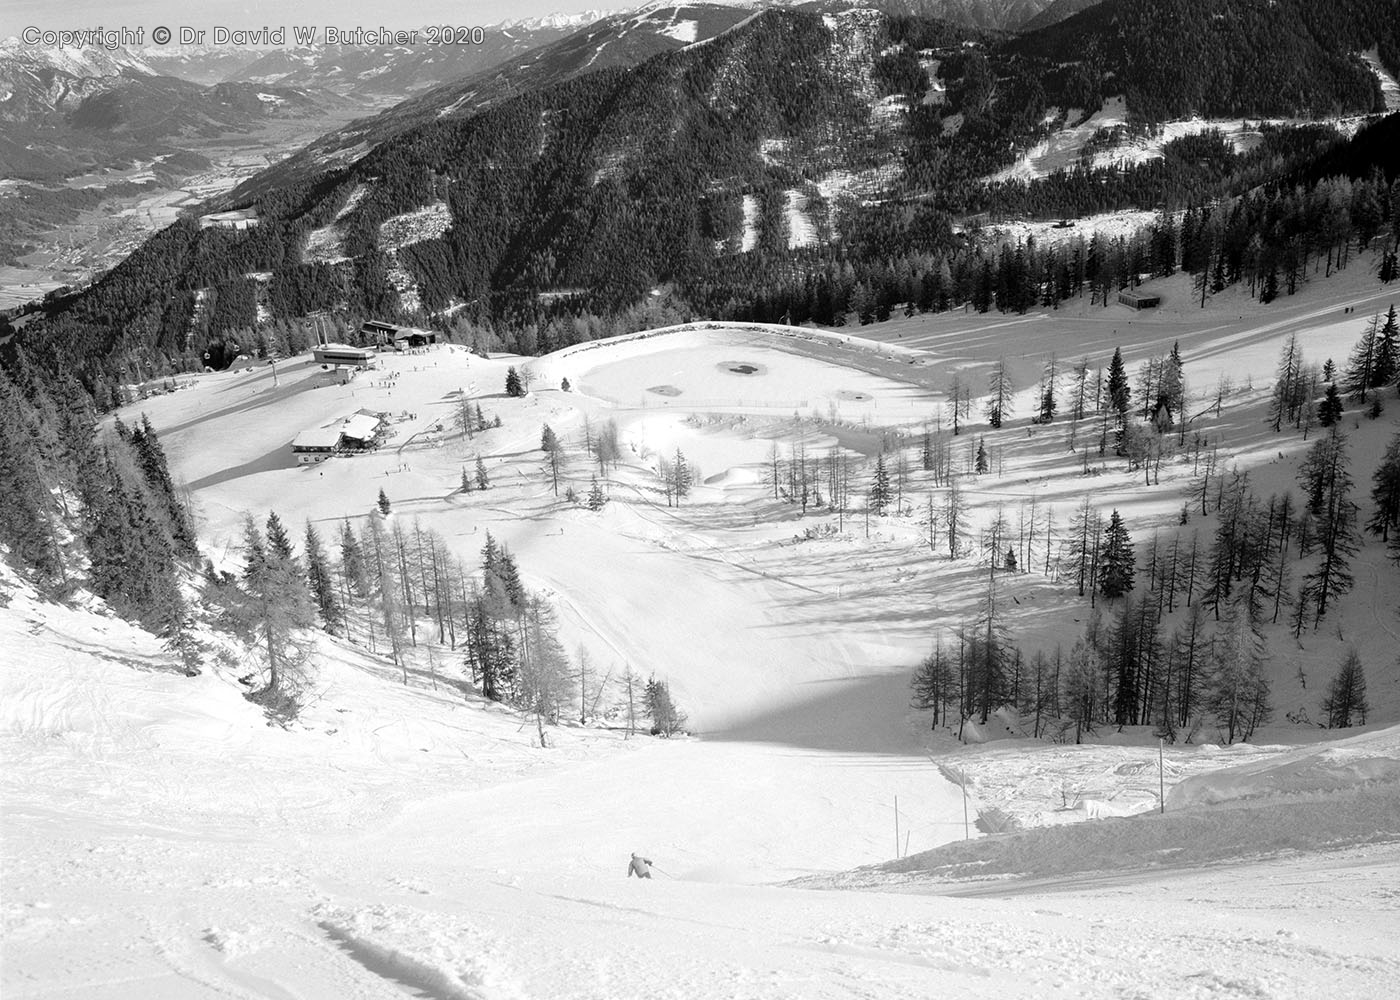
(569, 204)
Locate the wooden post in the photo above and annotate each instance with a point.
(1161, 780)
(967, 833)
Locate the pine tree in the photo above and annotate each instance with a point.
(981, 463)
(1116, 559)
(482, 482)
(384, 506)
(1345, 703)
(27, 526)
(666, 719)
(596, 497)
(468, 484)
(514, 386)
(1119, 392)
(1330, 412)
(278, 543)
(1387, 365)
(323, 590)
(131, 562)
(269, 609)
(548, 441)
(880, 494)
(150, 457)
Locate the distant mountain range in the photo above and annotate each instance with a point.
(70, 111)
(680, 142)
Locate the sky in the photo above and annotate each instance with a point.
(46, 15)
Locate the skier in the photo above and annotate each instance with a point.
(640, 867)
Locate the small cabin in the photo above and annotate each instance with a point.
(1134, 299)
(316, 445)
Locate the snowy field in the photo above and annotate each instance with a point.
(403, 838)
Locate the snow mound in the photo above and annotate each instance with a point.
(1368, 759)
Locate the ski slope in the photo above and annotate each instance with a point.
(405, 838)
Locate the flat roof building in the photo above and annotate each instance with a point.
(1135, 299)
(343, 354)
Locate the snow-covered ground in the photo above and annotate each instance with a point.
(160, 840)
(1390, 88)
(1064, 149)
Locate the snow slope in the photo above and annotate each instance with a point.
(161, 841)
(404, 837)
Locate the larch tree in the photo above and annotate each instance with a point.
(1345, 703)
(1327, 483)
(322, 583)
(1237, 693)
(1360, 376)
(933, 684)
(271, 611)
(1385, 492)
(999, 393)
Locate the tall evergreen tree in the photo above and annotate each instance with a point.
(880, 493)
(150, 457)
(322, 583)
(1119, 392)
(1117, 560)
(270, 609)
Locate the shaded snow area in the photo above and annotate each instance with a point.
(326, 245)
(426, 223)
(817, 838)
(1390, 88)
